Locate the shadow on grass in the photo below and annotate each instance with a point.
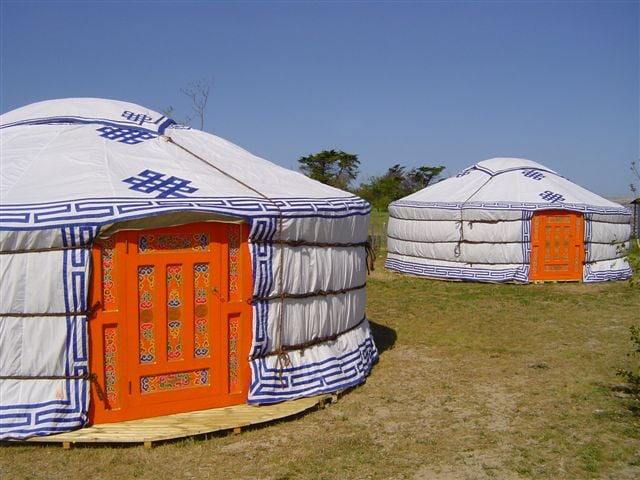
(383, 336)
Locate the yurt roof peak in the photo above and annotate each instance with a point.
(498, 165)
(511, 183)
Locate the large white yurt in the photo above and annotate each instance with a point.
(148, 268)
(508, 220)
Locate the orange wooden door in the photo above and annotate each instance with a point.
(174, 329)
(557, 246)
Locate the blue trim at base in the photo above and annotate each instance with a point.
(272, 385)
(470, 274)
(608, 275)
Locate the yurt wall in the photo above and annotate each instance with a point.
(281, 259)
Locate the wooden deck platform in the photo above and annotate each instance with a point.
(150, 431)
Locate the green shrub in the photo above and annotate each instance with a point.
(634, 260)
(633, 376)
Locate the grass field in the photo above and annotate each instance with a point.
(474, 381)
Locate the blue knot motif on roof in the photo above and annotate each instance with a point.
(551, 196)
(533, 174)
(130, 136)
(155, 182)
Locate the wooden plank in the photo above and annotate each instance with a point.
(150, 431)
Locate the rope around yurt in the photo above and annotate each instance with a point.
(457, 251)
(281, 350)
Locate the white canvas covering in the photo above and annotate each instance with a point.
(476, 226)
(75, 167)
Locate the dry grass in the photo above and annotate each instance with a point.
(474, 381)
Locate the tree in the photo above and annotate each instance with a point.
(397, 183)
(198, 93)
(380, 191)
(331, 167)
(636, 173)
(421, 177)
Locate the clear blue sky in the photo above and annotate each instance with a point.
(416, 83)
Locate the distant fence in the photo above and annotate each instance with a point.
(378, 237)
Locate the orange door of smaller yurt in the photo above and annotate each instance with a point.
(173, 330)
(557, 245)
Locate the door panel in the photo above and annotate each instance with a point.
(557, 246)
(175, 328)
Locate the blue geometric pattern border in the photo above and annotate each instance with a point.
(624, 211)
(102, 211)
(262, 258)
(588, 235)
(334, 373)
(526, 238)
(621, 274)
(498, 275)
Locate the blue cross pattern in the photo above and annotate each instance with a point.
(138, 118)
(533, 174)
(551, 196)
(152, 182)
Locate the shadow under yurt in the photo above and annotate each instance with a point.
(149, 269)
(509, 220)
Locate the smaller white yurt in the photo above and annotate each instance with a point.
(509, 220)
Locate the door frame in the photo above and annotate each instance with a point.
(114, 329)
(576, 257)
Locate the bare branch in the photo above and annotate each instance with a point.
(198, 93)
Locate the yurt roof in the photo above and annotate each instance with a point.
(514, 181)
(88, 148)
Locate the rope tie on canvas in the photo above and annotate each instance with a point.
(468, 242)
(48, 249)
(92, 377)
(86, 313)
(457, 250)
(369, 251)
(371, 257)
(460, 225)
(305, 243)
(317, 293)
(305, 345)
(84, 376)
(283, 357)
